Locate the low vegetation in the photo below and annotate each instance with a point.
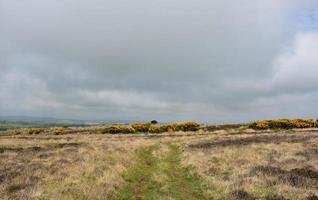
(221, 164)
(155, 128)
(159, 174)
(152, 128)
(35, 131)
(278, 165)
(284, 124)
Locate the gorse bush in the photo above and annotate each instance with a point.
(152, 128)
(187, 126)
(143, 128)
(35, 131)
(156, 129)
(117, 128)
(184, 126)
(284, 124)
(59, 131)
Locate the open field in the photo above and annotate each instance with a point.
(196, 165)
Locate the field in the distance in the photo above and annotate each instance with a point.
(235, 164)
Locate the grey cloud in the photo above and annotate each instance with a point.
(206, 60)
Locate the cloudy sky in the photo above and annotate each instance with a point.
(171, 60)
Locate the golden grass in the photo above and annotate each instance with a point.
(92, 166)
(65, 167)
(247, 163)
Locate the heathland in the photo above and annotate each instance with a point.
(272, 159)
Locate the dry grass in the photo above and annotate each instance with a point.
(233, 164)
(267, 166)
(64, 167)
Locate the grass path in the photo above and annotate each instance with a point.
(160, 175)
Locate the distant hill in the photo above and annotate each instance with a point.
(20, 121)
(12, 122)
(31, 119)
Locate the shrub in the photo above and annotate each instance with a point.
(169, 128)
(143, 128)
(187, 126)
(59, 131)
(283, 124)
(161, 128)
(155, 129)
(184, 126)
(113, 129)
(17, 132)
(116, 128)
(128, 129)
(152, 128)
(261, 125)
(154, 122)
(35, 131)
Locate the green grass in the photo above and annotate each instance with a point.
(177, 181)
(183, 182)
(139, 180)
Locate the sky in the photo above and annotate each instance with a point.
(212, 61)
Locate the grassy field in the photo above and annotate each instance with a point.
(196, 165)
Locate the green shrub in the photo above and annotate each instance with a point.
(154, 122)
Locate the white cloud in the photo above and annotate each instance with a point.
(210, 59)
(297, 69)
(19, 90)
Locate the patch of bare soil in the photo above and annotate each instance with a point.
(255, 139)
(298, 177)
